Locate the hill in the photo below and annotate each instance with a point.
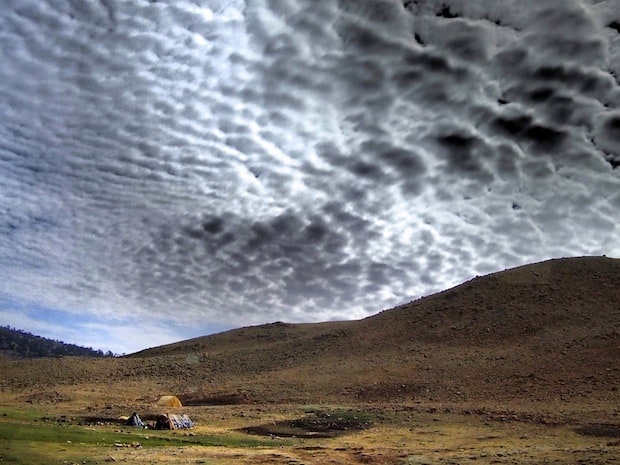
(547, 332)
(17, 343)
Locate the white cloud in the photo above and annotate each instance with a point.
(232, 163)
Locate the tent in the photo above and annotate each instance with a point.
(135, 420)
(170, 421)
(169, 401)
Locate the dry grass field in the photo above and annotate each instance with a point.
(518, 367)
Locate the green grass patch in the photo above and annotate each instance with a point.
(341, 415)
(104, 436)
(24, 440)
(14, 413)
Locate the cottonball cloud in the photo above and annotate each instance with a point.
(238, 162)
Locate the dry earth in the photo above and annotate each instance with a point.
(515, 367)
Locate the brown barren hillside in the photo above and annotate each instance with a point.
(547, 332)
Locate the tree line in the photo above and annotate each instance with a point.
(22, 344)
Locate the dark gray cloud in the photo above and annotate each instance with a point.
(214, 163)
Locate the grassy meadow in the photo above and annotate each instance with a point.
(301, 434)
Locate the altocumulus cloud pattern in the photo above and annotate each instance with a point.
(214, 163)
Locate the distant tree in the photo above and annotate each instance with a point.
(23, 344)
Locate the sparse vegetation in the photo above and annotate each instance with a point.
(317, 424)
(44, 440)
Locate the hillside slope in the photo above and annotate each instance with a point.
(543, 332)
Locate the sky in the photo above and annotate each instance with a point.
(170, 169)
